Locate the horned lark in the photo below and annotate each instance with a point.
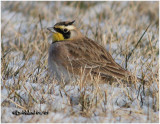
(73, 54)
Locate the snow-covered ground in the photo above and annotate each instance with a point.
(25, 80)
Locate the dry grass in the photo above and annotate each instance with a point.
(27, 85)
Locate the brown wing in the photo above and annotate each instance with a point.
(85, 53)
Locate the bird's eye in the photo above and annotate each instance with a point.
(65, 30)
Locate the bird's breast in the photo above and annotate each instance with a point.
(57, 61)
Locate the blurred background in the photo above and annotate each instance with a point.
(116, 25)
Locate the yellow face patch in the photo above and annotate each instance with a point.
(57, 37)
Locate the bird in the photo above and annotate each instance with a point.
(72, 55)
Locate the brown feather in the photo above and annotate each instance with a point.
(83, 53)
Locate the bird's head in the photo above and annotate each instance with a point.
(64, 31)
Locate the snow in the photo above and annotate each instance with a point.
(120, 101)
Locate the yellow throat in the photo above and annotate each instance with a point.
(57, 36)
